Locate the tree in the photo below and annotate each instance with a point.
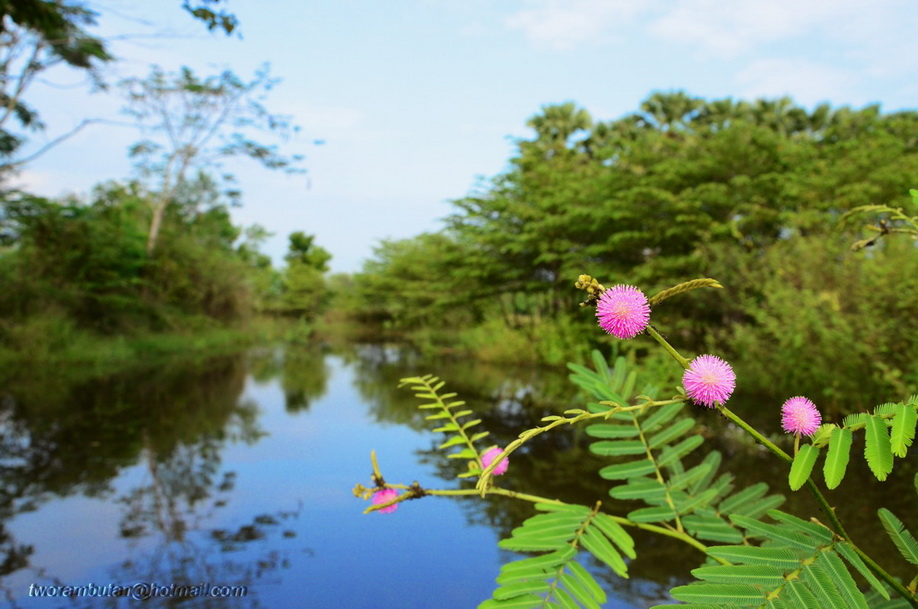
(304, 281)
(303, 250)
(194, 122)
(34, 36)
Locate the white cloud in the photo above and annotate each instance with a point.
(739, 26)
(560, 24)
(807, 82)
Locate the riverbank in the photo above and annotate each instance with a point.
(49, 340)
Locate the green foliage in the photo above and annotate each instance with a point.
(847, 317)
(87, 263)
(650, 446)
(888, 432)
(802, 466)
(37, 35)
(901, 536)
(753, 193)
(304, 251)
(800, 565)
(555, 579)
(449, 416)
(218, 19)
(782, 562)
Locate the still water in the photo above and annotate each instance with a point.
(234, 476)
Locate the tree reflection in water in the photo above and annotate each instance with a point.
(171, 421)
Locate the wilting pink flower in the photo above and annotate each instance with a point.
(623, 311)
(383, 496)
(490, 455)
(799, 416)
(709, 380)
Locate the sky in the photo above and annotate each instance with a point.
(419, 102)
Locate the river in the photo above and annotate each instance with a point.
(233, 477)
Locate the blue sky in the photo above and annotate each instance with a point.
(418, 99)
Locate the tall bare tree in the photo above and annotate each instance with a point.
(196, 123)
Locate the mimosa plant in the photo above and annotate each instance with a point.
(752, 554)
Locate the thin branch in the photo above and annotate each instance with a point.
(13, 165)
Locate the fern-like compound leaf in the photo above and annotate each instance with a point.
(900, 535)
(877, 449)
(797, 568)
(555, 579)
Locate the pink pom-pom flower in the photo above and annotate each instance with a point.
(623, 311)
(490, 456)
(383, 496)
(709, 380)
(800, 416)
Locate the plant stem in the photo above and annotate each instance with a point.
(681, 536)
(669, 348)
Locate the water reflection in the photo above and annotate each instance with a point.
(167, 426)
(237, 471)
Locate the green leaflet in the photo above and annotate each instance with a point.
(648, 489)
(838, 456)
(705, 524)
(623, 471)
(833, 565)
(901, 536)
(671, 454)
(755, 555)
(877, 449)
(720, 594)
(618, 448)
(747, 496)
(786, 534)
(661, 416)
(600, 547)
(800, 595)
(855, 561)
(652, 514)
(822, 586)
(812, 529)
(755, 575)
(802, 466)
(610, 431)
(903, 429)
(521, 602)
(587, 581)
(713, 460)
(616, 533)
(671, 432)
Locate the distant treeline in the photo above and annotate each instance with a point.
(750, 193)
(73, 267)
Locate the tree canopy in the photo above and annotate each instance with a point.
(681, 188)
